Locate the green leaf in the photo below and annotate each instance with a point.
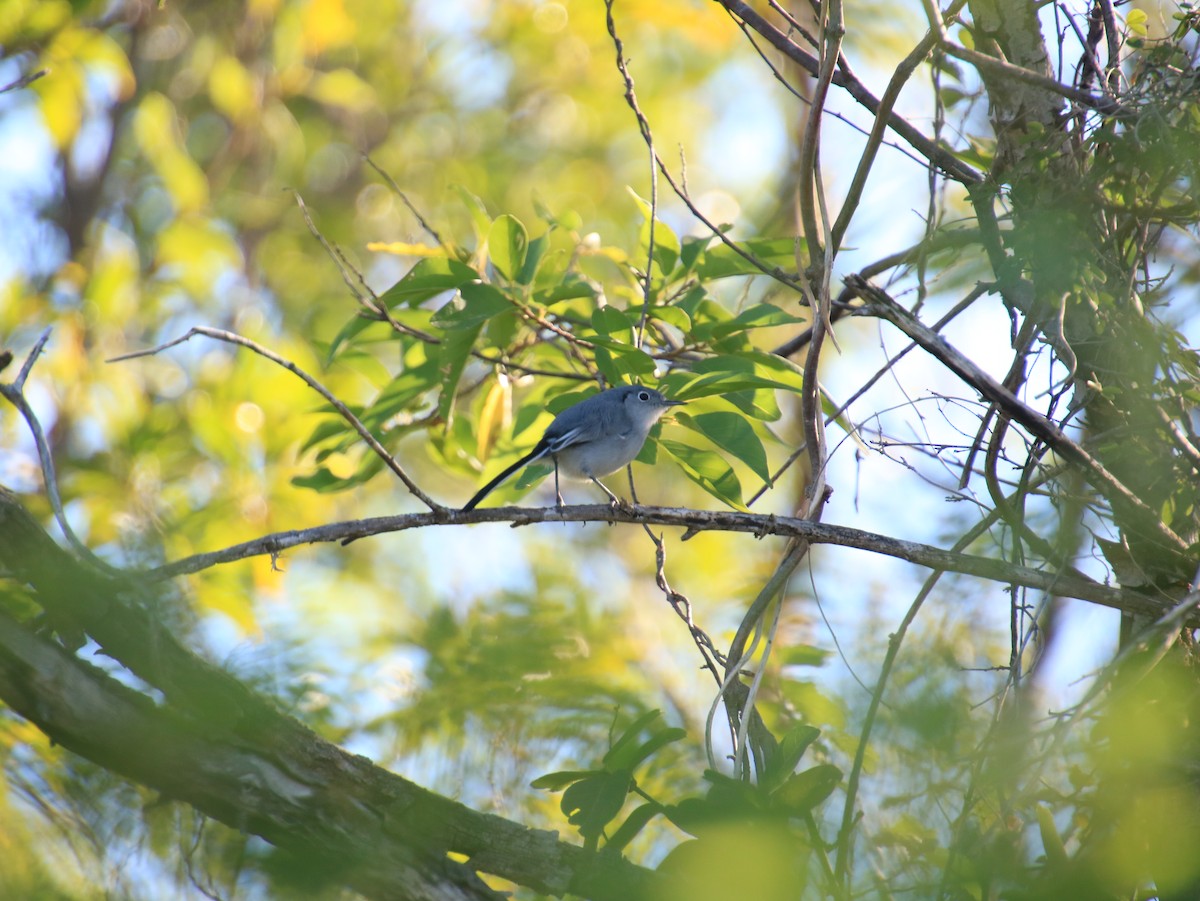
(452, 357)
(475, 304)
(690, 252)
(609, 321)
(634, 823)
(481, 222)
(532, 475)
(533, 259)
(787, 756)
(801, 655)
(401, 393)
(688, 387)
(666, 243)
(633, 757)
(508, 242)
(626, 739)
(768, 367)
(1056, 851)
(802, 792)
(349, 331)
(428, 278)
(722, 261)
(731, 433)
(619, 363)
(323, 481)
(320, 480)
(708, 470)
(760, 404)
(671, 315)
(763, 315)
(560, 402)
(592, 802)
(560, 780)
(329, 428)
(572, 287)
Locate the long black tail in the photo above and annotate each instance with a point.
(538, 451)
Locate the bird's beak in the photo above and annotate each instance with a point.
(675, 403)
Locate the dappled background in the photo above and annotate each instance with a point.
(258, 167)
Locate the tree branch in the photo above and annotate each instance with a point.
(232, 755)
(928, 148)
(758, 525)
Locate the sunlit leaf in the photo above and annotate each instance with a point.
(475, 304)
(731, 433)
(708, 470)
(232, 89)
(508, 242)
(721, 261)
(611, 322)
(156, 128)
(402, 249)
(428, 278)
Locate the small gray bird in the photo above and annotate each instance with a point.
(593, 438)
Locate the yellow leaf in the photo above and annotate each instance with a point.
(61, 102)
(196, 254)
(326, 25)
(232, 89)
(1136, 20)
(157, 133)
(343, 88)
(492, 417)
(399, 248)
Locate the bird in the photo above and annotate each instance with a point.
(593, 438)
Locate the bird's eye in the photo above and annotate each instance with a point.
(643, 396)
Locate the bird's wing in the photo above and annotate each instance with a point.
(569, 437)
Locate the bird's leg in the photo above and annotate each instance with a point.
(615, 502)
(558, 498)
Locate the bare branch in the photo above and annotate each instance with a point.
(928, 148)
(1108, 484)
(404, 199)
(15, 394)
(758, 525)
(24, 81)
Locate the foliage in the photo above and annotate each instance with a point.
(456, 220)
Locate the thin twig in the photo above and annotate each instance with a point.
(939, 156)
(343, 410)
(24, 81)
(792, 281)
(15, 394)
(648, 138)
(360, 291)
(404, 199)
